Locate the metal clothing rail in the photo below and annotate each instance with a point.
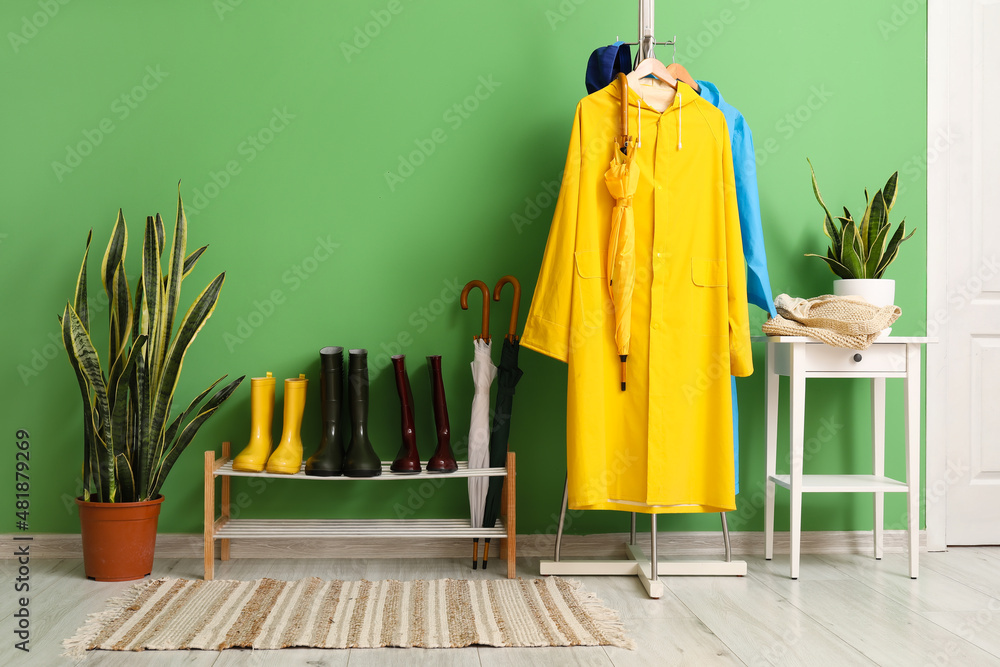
(649, 571)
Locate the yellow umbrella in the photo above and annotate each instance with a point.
(622, 179)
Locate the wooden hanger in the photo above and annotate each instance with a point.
(680, 73)
(656, 97)
(651, 67)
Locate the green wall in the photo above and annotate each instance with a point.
(292, 133)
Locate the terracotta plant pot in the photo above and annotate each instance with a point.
(118, 538)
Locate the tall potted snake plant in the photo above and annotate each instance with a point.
(130, 442)
(860, 252)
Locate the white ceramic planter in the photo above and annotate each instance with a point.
(879, 292)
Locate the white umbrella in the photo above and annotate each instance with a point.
(483, 373)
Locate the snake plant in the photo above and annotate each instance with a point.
(862, 250)
(130, 444)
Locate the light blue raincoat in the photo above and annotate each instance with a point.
(745, 170)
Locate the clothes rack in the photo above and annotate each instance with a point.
(646, 41)
(636, 562)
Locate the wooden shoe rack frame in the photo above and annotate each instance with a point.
(224, 528)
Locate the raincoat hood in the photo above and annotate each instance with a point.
(605, 63)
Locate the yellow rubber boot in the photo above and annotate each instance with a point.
(287, 457)
(254, 456)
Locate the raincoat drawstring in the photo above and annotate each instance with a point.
(680, 108)
(638, 141)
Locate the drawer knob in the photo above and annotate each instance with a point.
(857, 357)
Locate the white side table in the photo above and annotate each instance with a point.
(800, 358)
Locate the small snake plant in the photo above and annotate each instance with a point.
(129, 444)
(862, 250)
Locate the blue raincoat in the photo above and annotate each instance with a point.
(745, 170)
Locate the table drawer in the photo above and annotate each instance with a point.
(879, 358)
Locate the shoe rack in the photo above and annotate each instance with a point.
(224, 528)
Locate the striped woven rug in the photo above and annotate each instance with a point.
(165, 614)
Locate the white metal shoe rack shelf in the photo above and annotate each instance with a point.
(224, 528)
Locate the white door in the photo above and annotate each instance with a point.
(963, 400)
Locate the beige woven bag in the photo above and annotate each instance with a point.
(841, 321)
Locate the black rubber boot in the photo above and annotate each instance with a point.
(328, 461)
(360, 459)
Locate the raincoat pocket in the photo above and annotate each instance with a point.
(591, 285)
(589, 264)
(708, 272)
(710, 294)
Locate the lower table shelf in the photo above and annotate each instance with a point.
(225, 529)
(843, 483)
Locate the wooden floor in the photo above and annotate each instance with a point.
(844, 610)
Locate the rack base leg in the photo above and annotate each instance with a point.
(562, 521)
(638, 564)
(647, 575)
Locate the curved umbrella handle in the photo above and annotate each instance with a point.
(486, 305)
(512, 330)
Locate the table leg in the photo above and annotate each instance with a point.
(878, 458)
(912, 439)
(771, 406)
(796, 433)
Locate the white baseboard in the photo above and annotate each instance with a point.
(605, 545)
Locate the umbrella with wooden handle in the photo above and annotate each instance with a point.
(508, 375)
(483, 373)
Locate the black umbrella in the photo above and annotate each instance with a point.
(508, 375)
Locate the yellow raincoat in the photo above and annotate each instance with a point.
(665, 444)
